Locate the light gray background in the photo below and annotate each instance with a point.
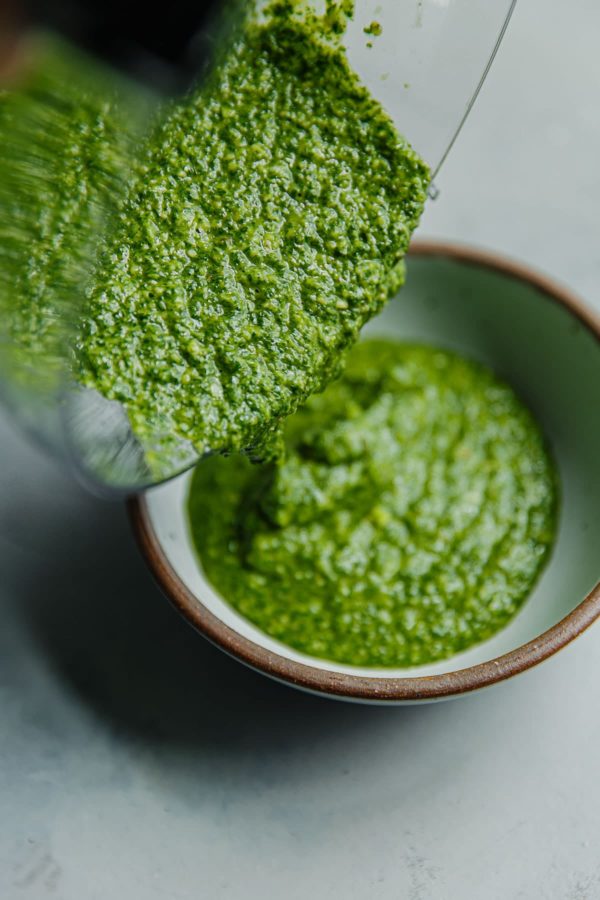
(138, 762)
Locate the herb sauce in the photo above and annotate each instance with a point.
(412, 515)
(67, 137)
(268, 223)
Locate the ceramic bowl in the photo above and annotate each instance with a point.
(542, 340)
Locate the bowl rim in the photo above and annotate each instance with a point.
(373, 688)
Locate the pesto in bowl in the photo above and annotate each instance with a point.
(410, 519)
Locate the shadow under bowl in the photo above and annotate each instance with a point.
(546, 344)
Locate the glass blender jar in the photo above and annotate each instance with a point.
(426, 66)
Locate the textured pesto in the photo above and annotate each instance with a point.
(66, 136)
(267, 224)
(412, 515)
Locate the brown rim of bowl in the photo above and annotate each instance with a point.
(360, 687)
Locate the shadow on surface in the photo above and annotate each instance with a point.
(105, 626)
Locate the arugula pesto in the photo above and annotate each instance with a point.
(413, 513)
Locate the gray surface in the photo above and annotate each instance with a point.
(137, 762)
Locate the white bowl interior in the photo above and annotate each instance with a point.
(552, 361)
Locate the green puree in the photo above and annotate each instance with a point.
(67, 132)
(267, 224)
(412, 515)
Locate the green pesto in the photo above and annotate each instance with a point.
(67, 132)
(267, 224)
(411, 517)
